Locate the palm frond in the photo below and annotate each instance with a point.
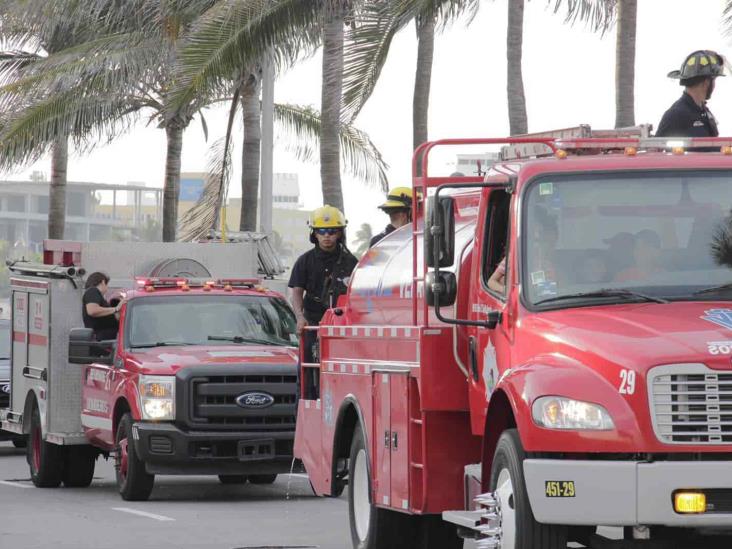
(235, 34)
(300, 126)
(727, 18)
(197, 222)
(14, 61)
(600, 15)
(365, 53)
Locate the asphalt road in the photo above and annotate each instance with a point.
(183, 512)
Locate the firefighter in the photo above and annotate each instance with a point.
(689, 116)
(398, 207)
(96, 312)
(320, 275)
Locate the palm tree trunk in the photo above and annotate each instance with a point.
(57, 194)
(422, 81)
(171, 188)
(625, 64)
(517, 118)
(332, 99)
(250, 157)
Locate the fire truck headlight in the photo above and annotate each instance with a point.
(553, 412)
(157, 398)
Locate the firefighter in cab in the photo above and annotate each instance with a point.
(689, 116)
(398, 207)
(320, 275)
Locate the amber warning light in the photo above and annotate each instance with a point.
(687, 502)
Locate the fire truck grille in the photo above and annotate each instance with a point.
(214, 402)
(691, 404)
(4, 399)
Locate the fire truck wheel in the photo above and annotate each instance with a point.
(232, 479)
(45, 459)
(519, 527)
(372, 527)
(262, 479)
(133, 482)
(79, 469)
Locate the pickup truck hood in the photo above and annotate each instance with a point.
(168, 360)
(640, 336)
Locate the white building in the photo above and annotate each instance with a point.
(475, 164)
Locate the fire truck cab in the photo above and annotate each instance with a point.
(201, 378)
(586, 383)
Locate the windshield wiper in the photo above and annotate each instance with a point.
(606, 292)
(160, 344)
(242, 339)
(714, 289)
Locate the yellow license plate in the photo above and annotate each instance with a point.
(559, 489)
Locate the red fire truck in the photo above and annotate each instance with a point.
(201, 379)
(544, 351)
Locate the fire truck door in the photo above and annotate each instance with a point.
(390, 444)
(95, 412)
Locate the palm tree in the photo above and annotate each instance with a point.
(517, 118)
(99, 88)
(252, 114)
(625, 63)
(363, 238)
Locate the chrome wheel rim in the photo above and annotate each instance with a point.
(507, 505)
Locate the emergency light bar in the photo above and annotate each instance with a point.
(150, 284)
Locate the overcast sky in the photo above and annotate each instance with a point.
(568, 77)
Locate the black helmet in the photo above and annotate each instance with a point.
(700, 63)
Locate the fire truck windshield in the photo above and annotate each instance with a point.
(626, 237)
(209, 320)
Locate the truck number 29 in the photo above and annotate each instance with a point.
(627, 382)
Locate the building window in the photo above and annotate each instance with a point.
(16, 203)
(42, 205)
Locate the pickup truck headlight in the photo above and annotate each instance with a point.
(555, 412)
(157, 397)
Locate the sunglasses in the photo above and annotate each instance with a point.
(327, 231)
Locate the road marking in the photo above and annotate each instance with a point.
(161, 518)
(15, 484)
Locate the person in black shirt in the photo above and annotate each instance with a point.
(96, 312)
(689, 116)
(398, 207)
(320, 275)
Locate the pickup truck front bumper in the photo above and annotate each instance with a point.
(627, 493)
(168, 450)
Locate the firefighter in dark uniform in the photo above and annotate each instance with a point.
(689, 116)
(398, 207)
(320, 275)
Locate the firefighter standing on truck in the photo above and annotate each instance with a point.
(689, 116)
(398, 207)
(320, 275)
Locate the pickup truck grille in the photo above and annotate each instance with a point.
(691, 404)
(4, 397)
(212, 399)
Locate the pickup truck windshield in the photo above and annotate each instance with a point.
(209, 320)
(665, 235)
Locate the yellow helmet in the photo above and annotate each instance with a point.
(327, 217)
(399, 198)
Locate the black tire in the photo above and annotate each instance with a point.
(232, 479)
(262, 479)
(133, 481)
(20, 442)
(529, 534)
(382, 528)
(79, 468)
(45, 459)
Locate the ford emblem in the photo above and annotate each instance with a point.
(5, 388)
(255, 399)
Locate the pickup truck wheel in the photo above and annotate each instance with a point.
(372, 527)
(79, 469)
(133, 482)
(262, 479)
(232, 479)
(45, 459)
(519, 529)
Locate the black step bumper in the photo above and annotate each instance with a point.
(168, 450)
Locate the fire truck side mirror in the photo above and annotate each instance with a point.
(440, 231)
(447, 286)
(84, 349)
